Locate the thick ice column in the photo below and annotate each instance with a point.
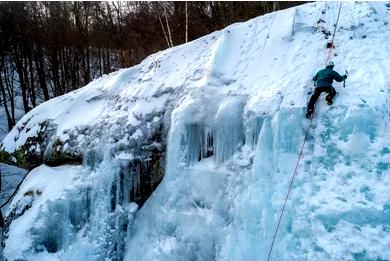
(176, 147)
(253, 125)
(229, 129)
(263, 180)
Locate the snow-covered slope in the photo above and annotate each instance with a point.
(222, 118)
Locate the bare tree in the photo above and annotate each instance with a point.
(162, 25)
(5, 105)
(7, 92)
(186, 22)
(168, 28)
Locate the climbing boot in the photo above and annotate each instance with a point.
(309, 113)
(329, 100)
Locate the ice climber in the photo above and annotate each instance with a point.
(323, 81)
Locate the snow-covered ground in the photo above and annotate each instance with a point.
(226, 113)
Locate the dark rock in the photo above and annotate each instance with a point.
(30, 154)
(59, 153)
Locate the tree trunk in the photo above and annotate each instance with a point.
(55, 72)
(4, 96)
(41, 73)
(108, 70)
(23, 85)
(275, 6)
(100, 61)
(32, 85)
(62, 70)
(162, 26)
(9, 84)
(186, 22)
(88, 74)
(168, 28)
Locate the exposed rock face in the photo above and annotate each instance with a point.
(30, 154)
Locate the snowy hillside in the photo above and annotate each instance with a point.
(188, 155)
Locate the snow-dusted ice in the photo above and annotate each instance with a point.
(224, 116)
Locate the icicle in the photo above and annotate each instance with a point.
(253, 127)
(229, 129)
(200, 143)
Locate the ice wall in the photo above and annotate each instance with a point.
(234, 143)
(74, 213)
(231, 107)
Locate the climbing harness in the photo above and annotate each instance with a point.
(303, 146)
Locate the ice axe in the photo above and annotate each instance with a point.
(346, 73)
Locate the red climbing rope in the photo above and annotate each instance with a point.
(303, 146)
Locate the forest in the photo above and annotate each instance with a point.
(50, 48)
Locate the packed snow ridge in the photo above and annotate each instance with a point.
(219, 121)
